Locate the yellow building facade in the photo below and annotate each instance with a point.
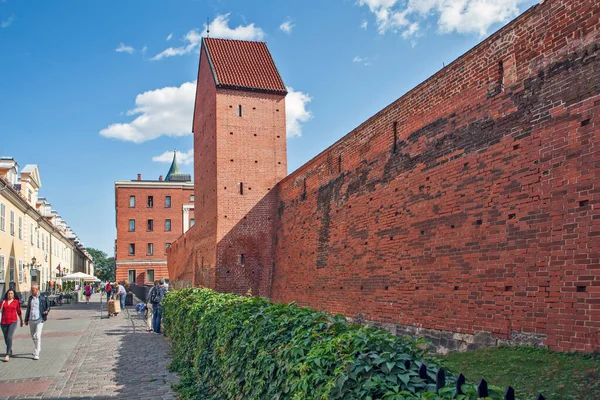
(36, 244)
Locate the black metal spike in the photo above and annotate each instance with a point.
(440, 379)
(423, 371)
(482, 389)
(459, 382)
(540, 397)
(509, 394)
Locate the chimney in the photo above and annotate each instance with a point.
(139, 177)
(160, 178)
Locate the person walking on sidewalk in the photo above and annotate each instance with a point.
(123, 293)
(156, 298)
(38, 308)
(88, 293)
(149, 314)
(11, 309)
(108, 289)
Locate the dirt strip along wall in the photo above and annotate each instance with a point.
(469, 209)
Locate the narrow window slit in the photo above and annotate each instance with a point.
(395, 144)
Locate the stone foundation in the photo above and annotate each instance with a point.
(443, 342)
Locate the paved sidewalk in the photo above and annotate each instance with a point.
(87, 355)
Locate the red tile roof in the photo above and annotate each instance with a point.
(240, 64)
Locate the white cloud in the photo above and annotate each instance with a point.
(296, 112)
(287, 26)
(170, 36)
(361, 60)
(168, 112)
(5, 23)
(461, 16)
(162, 112)
(364, 25)
(192, 37)
(185, 158)
(219, 27)
(122, 48)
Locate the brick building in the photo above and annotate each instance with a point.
(239, 156)
(150, 215)
(466, 211)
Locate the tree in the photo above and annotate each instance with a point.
(104, 266)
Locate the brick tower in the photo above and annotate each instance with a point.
(239, 156)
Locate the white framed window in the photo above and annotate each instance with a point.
(2, 270)
(191, 198)
(131, 275)
(149, 275)
(11, 269)
(131, 225)
(12, 223)
(192, 222)
(168, 202)
(167, 225)
(150, 249)
(31, 233)
(20, 271)
(2, 217)
(43, 243)
(131, 201)
(20, 228)
(38, 238)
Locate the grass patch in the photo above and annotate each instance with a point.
(530, 371)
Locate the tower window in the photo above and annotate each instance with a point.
(240, 111)
(150, 249)
(131, 201)
(168, 201)
(131, 249)
(150, 225)
(242, 259)
(150, 201)
(168, 225)
(241, 187)
(132, 225)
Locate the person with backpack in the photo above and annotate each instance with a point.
(156, 298)
(149, 315)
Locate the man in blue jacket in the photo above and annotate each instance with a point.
(38, 308)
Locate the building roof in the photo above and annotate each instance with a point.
(175, 173)
(241, 64)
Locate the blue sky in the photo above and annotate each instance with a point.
(97, 91)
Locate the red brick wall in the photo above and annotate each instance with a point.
(251, 149)
(141, 236)
(248, 149)
(485, 213)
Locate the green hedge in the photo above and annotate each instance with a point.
(232, 347)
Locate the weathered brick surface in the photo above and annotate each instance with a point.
(484, 215)
(469, 205)
(238, 162)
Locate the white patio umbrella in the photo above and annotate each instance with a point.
(77, 276)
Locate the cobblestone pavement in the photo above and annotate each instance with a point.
(87, 355)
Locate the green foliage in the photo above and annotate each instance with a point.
(532, 370)
(104, 266)
(232, 347)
